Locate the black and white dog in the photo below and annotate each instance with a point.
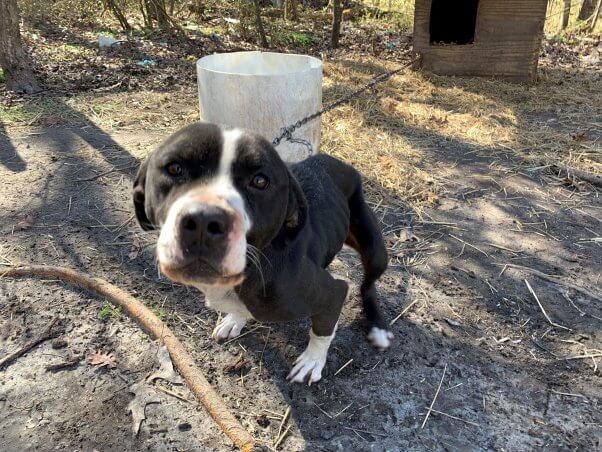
(256, 236)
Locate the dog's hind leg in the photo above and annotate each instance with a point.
(366, 238)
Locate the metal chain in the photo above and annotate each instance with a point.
(286, 133)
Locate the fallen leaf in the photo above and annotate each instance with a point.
(579, 136)
(143, 395)
(25, 223)
(166, 371)
(240, 364)
(407, 235)
(135, 250)
(98, 358)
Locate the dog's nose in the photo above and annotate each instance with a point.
(204, 228)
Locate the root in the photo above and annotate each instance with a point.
(196, 381)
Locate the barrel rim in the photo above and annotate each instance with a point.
(318, 64)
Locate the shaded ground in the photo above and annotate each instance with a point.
(462, 165)
(507, 378)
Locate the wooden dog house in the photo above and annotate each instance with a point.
(498, 38)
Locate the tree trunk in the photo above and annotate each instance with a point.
(587, 9)
(596, 16)
(118, 13)
(148, 23)
(337, 17)
(566, 14)
(151, 12)
(294, 10)
(259, 25)
(13, 59)
(160, 14)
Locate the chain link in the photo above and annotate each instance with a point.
(286, 133)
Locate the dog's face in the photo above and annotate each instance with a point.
(212, 192)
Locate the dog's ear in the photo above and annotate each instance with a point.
(140, 197)
(296, 210)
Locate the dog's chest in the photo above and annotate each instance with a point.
(223, 300)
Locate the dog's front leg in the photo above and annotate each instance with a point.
(237, 315)
(309, 365)
(230, 326)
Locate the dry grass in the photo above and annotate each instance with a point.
(401, 135)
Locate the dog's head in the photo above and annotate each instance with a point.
(212, 192)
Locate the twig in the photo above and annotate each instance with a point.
(279, 437)
(364, 431)
(151, 323)
(343, 366)
(469, 244)
(64, 365)
(550, 321)
(172, 393)
(342, 411)
(44, 336)
(323, 412)
(104, 173)
(555, 280)
(265, 344)
(568, 394)
(503, 248)
(591, 355)
(428, 413)
(252, 330)
(455, 417)
(493, 289)
(572, 173)
(406, 309)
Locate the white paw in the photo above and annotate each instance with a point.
(229, 327)
(380, 339)
(308, 367)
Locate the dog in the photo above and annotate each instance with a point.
(256, 236)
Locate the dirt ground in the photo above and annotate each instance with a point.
(511, 380)
(459, 173)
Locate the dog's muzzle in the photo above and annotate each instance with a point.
(203, 242)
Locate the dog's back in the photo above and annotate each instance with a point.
(322, 181)
(339, 214)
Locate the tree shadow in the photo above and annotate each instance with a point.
(9, 156)
(380, 400)
(69, 160)
(377, 400)
(526, 370)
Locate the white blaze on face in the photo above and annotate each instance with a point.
(219, 191)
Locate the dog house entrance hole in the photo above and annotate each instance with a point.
(453, 21)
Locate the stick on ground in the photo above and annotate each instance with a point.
(44, 336)
(195, 379)
(550, 321)
(428, 413)
(572, 173)
(554, 279)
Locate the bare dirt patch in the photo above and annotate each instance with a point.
(459, 173)
(508, 380)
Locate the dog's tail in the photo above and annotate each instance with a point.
(366, 238)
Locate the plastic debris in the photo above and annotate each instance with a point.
(146, 63)
(106, 41)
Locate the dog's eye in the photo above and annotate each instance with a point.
(260, 181)
(174, 169)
